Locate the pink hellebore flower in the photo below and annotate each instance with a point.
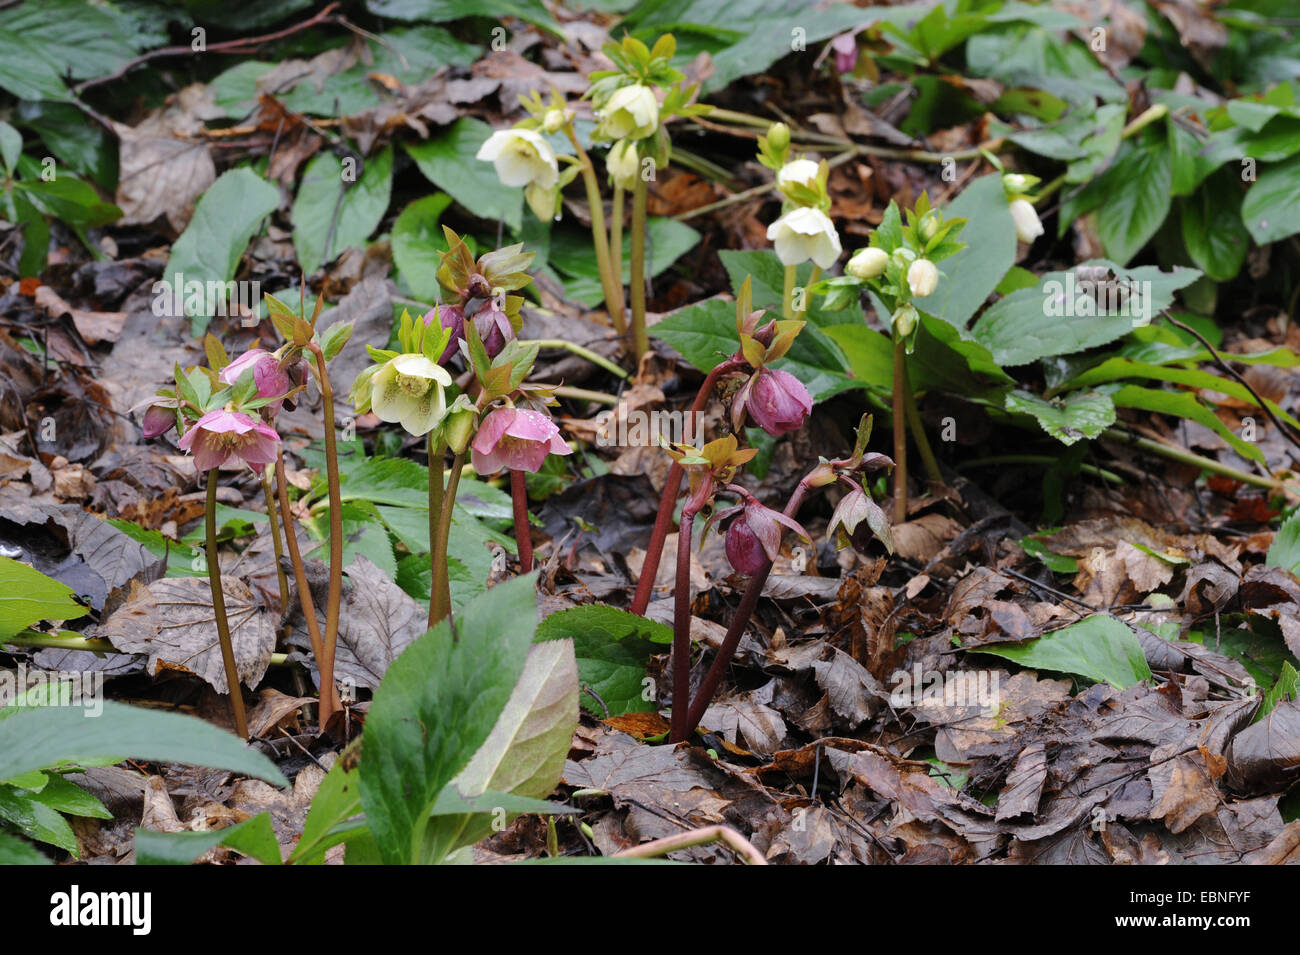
(516, 439)
(220, 435)
(846, 52)
(754, 538)
(777, 401)
(272, 381)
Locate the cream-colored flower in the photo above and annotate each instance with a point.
(802, 172)
(408, 390)
(623, 164)
(631, 113)
(922, 278)
(522, 157)
(805, 233)
(1025, 216)
(867, 264)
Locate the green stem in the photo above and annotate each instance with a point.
(219, 608)
(440, 587)
(787, 293)
(336, 522)
(900, 432)
(276, 543)
(640, 343)
(918, 430)
(437, 451)
(610, 281)
(71, 640)
(1183, 456)
(598, 360)
(813, 276)
(616, 245)
(583, 394)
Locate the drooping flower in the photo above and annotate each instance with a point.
(272, 381)
(776, 400)
(493, 327)
(1025, 216)
(867, 263)
(754, 538)
(802, 172)
(622, 164)
(856, 520)
(515, 438)
(408, 390)
(846, 52)
(631, 113)
(158, 420)
(221, 435)
(922, 278)
(522, 157)
(805, 233)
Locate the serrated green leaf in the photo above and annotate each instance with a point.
(612, 648)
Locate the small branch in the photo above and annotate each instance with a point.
(1183, 456)
(219, 608)
(899, 402)
(682, 627)
(336, 522)
(523, 537)
(591, 356)
(637, 279)
(583, 394)
(696, 837)
(276, 544)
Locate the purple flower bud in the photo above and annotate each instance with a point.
(744, 549)
(453, 318)
(158, 420)
(754, 537)
(777, 402)
(272, 381)
(493, 327)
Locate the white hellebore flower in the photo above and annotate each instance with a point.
(522, 158)
(622, 164)
(867, 264)
(802, 172)
(805, 233)
(922, 278)
(408, 390)
(631, 113)
(1023, 214)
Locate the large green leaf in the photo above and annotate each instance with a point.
(705, 334)
(1099, 647)
(227, 216)
(1080, 415)
(336, 801)
(970, 276)
(27, 596)
(1284, 552)
(1184, 405)
(612, 647)
(1271, 209)
(1137, 197)
(331, 214)
(417, 241)
(1042, 321)
(441, 11)
(252, 837)
(447, 160)
(436, 706)
(1213, 232)
(16, 851)
(570, 253)
(525, 753)
(44, 737)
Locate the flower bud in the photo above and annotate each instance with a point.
(904, 321)
(922, 278)
(460, 424)
(631, 113)
(801, 172)
(1025, 216)
(744, 549)
(623, 164)
(776, 400)
(554, 119)
(778, 136)
(867, 264)
(1017, 183)
(928, 226)
(158, 420)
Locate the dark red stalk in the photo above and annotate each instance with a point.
(672, 487)
(748, 601)
(519, 495)
(682, 626)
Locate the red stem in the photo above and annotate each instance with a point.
(732, 640)
(519, 494)
(672, 487)
(682, 627)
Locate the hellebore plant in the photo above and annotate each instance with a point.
(899, 266)
(804, 232)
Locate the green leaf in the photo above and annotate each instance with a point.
(68, 797)
(69, 199)
(227, 216)
(524, 755)
(447, 160)
(1213, 231)
(25, 70)
(36, 820)
(767, 278)
(44, 737)
(1271, 209)
(336, 801)
(16, 851)
(570, 253)
(1057, 563)
(1284, 552)
(332, 214)
(11, 146)
(1080, 415)
(1042, 321)
(1287, 687)
(252, 837)
(1137, 197)
(436, 706)
(612, 647)
(27, 596)
(417, 241)
(1099, 647)
(441, 11)
(1184, 405)
(76, 38)
(970, 276)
